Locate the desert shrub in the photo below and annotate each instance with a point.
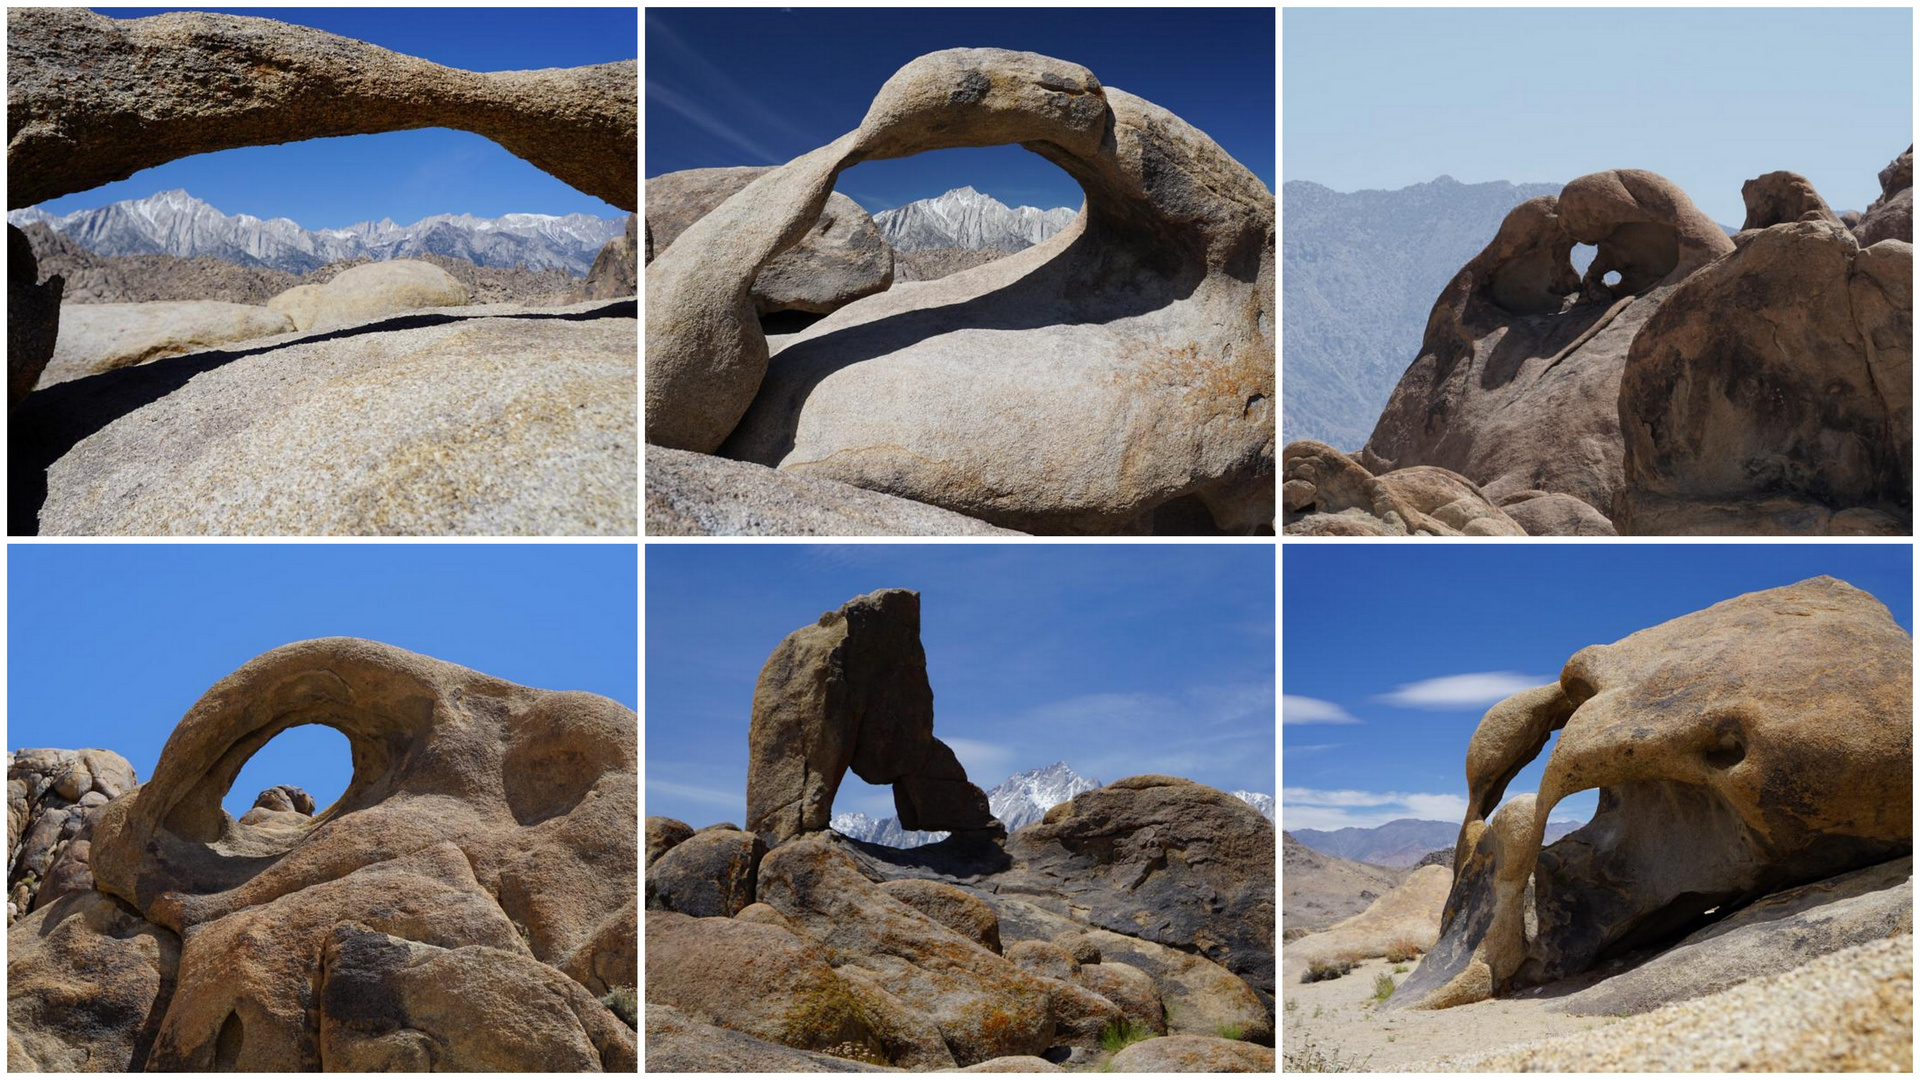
(1382, 986)
(1118, 1036)
(1322, 970)
(623, 1002)
(1402, 951)
(1292, 1005)
(1399, 969)
(1310, 1057)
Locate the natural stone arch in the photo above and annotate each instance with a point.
(92, 100)
(1161, 289)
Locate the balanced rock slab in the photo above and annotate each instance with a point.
(101, 337)
(369, 292)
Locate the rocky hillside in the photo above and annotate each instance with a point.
(1400, 843)
(1361, 270)
(122, 279)
(1323, 889)
(928, 264)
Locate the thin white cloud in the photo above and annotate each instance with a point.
(1473, 690)
(1296, 709)
(984, 761)
(710, 123)
(1313, 748)
(1317, 808)
(710, 796)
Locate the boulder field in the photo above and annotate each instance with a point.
(1687, 383)
(1145, 907)
(1117, 378)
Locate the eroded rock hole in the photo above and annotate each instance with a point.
(314, 759)
(1582, 257)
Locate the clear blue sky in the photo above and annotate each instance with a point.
(1368, 628)
(109, 645)
(404, 175)
(1707, 97)
(1118, 659)
(762, 86)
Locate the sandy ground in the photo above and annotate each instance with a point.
(1338, 1023)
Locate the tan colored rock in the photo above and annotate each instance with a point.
(842, 258)
(94, 99)
(1891, 215)
(1327, 493)
(1517, 385)
(1773, 390)
(1200, 997)
(1765, 741)
(1014, 1065)
(662, 834)
(1193, 1053)
(1131, 990)
(101, 337)
(710, 874)
(677, 1043)
(851, 691)
(369, 293)
(476, 422)
(1163, 423)
(84, 976)
(1043, 958)
(1549, 513)
(616, 271)
(692, 494)
(953, 908)
(53, 800)
(1779, 197)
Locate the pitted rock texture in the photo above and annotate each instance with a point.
(102, 337)
(1891, 215)
(1772, 392)
(1763, 743)
(52, 800)
(851, 692)
(1517, 385)
(494, 420)
(842, 258)
(955, 392)
(92, 99)
(447, 911)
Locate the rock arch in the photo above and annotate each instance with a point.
(92, 99)
(1152, 313)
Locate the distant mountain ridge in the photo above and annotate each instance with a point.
(175, 223)
(965, 218)
(1399, 843)
(1020, 800)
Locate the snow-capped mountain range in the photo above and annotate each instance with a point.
(965, 218)
(176, 223)
(1021, 800)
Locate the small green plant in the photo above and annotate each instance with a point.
(1399, 969)
(1310, 1057)
(624, 1003)
(1230, 1031)
(1292, 1005)
(1389, 1038)
(525, 938)
(1316, 1012)
(1322, 970)
(1382, 986)
(1118, 1036)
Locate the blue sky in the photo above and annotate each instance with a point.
(404, 175)
(1393, 652)
(1118, 659)
(763, 86)
(1707, 97)
(109, 645)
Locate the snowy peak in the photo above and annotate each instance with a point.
(965, 218)
(1020, 800)
(1262, 803)
(175, 223)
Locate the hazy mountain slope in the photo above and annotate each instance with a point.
(965, 218)
(175, 223)
(1400, 843)
(1320, 889)
(1361, 271)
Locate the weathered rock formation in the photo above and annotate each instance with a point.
(842, 258)
(1891, 215)
(166, 86)
(954, 392)
(1407, 916)
(1758, 745)
(1327, 493)
(1773, 391)
(33, 318)
(459, 907)
(367, 293)
(851, 692)
(1518, 379)
(1779, 197)
(691, 494)
(51, 799)
(495, 420)
(102, 337)
(616, 270)
(791, 947)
